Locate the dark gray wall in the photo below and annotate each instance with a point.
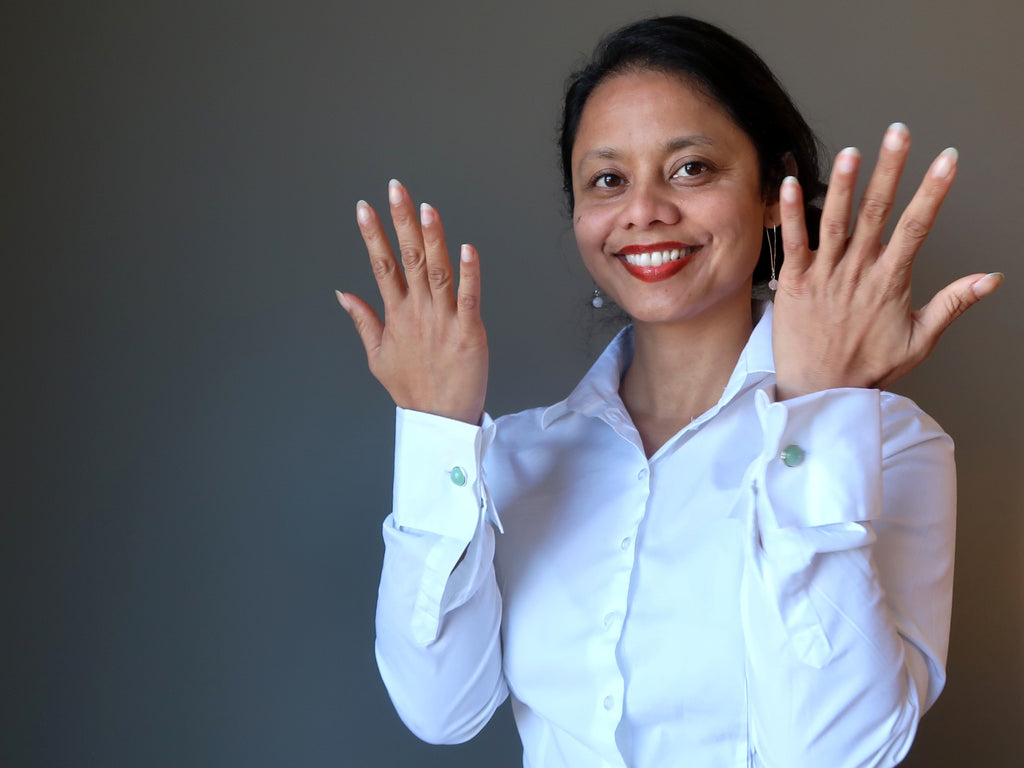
(196, 462)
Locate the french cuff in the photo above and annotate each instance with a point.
(822, 458)
(439, 486)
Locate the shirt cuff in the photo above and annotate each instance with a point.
(822, 457)
(439, 485)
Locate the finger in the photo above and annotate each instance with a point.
(794, 229)
(919, 217)
(368, 325)
(952, 301)
(469, 289)
(876, 205)
(438, 264)
(385, 269)
(410, 238)
(837, 211)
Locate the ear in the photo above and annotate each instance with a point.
(772, 217)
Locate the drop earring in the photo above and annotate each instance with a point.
(773, 283)
(597, 301)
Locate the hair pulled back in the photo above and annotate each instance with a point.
(725, 70)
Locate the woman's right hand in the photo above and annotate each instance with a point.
(430, 352)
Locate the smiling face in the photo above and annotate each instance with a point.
(669, 212)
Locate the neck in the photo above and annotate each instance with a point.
(680, 370)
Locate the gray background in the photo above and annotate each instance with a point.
(196, 462)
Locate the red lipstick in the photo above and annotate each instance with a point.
(641, 269)
(651, 247)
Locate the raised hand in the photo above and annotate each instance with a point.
(430, 352)
(842, 315)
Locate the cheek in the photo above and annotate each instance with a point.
(741, 219)
(583, 230)
(590, 241)
(591, 227)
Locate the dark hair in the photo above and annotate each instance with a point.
(727, 71)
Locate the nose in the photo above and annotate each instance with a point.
(649, 203)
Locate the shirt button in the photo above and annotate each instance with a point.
(625, 543)
(642, 474)
(792, 455)
(608, 702)
(609, 620)
(458, 476)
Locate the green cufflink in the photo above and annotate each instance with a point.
(792, 455)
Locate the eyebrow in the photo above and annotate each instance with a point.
(683, 142)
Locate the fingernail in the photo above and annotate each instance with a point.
(395, 191)
(987, 284)
(362, 212)
(427, 214)
(895, 137)
(846, 160)
(342, 299)
(790, 187)
(465, 254)
(945, 163)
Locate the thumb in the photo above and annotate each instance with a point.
(955, 299)
(368, 325)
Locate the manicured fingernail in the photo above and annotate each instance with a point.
(987, 284)
(362, 212)
(790, 189)
(846, 160)
(896, 137)
(395, 191)
(342, 299)
(427, 214)
(465, 254)
(946, 161)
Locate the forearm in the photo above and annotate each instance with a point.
(440, 656)
(839, 685)
(439, 610)
(846, 596)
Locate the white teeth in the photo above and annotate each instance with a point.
(657, 258)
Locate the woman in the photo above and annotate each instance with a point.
(727, 546)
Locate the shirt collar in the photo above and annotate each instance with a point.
(598, 391)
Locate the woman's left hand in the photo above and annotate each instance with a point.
(842, 315)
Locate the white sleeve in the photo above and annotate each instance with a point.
(847, 592)
(438, 608)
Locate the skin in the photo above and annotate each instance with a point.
(656, 161)
(430, 353)
(842, 314)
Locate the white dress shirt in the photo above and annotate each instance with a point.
(709, 606)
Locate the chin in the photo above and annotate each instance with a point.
(680, 310)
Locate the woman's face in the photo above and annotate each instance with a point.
(668, 211)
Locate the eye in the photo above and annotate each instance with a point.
(607, 181)
(691, 169)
